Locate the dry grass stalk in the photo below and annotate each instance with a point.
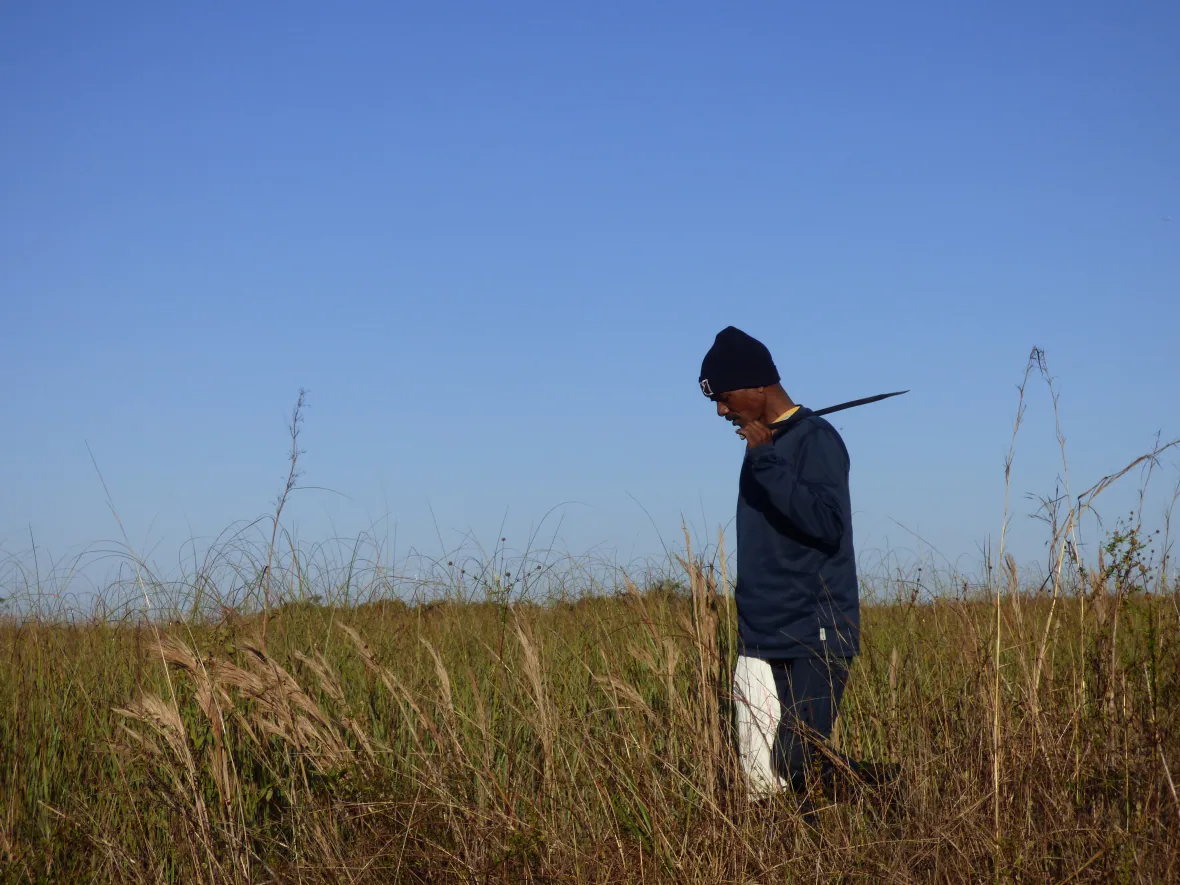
(288, 488)
(1034, 359)
(545, 728)
(450, 717)
(179, 768)
(709, 663)
(618, 687)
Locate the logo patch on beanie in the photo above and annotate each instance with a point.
(705, 388)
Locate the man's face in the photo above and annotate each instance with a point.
(740, 407)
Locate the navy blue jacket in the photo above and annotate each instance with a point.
(796, 589)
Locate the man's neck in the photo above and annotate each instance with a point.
(778, 405)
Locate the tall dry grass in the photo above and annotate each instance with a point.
(507, 732)
(585, 741)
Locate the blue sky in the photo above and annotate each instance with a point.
(494, 241)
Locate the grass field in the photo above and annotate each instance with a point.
(541, 722)
(585, 740)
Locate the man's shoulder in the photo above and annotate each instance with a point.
(820, 424)
(810, 425)
(816, 431)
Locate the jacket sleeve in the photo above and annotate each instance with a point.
(808, 492)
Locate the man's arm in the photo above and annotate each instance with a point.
(809, 498)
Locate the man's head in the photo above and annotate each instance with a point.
(739, 375)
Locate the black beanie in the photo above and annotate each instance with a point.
(736, 361)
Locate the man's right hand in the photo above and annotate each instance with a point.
(755, 434)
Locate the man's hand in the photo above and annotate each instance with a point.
(755, 434)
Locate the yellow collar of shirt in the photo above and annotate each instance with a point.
(787, 414)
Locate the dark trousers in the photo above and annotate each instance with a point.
(809, 692)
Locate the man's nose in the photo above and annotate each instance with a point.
(721, 410)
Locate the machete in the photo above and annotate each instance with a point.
(848, 405)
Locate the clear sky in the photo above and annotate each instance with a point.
(494, 240)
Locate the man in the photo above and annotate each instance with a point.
(797, 595)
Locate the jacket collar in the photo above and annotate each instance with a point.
(781, 427)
